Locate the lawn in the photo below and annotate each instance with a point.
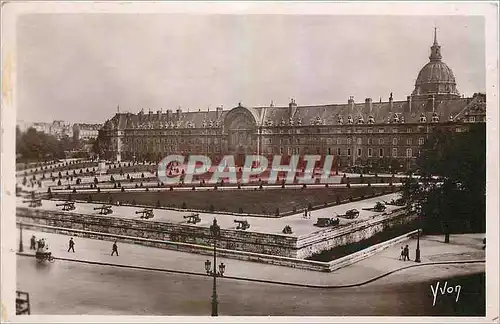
(239, 201)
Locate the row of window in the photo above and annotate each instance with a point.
(370, 152)
(339, 141)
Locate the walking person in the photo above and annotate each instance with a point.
(115, 249)
(402, 254)
(33, 243)
(71, 245)
(407, 253)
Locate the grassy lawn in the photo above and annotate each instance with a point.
(246, 201)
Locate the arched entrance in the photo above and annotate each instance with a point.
(240, 127)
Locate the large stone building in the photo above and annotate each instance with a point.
(85, 132)
(384, 134)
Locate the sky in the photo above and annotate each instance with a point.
(80, 67)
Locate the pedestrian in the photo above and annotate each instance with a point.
(402, 254)
(115, 249)
(305, 213)
(407, 253)
(71, 245)
(309, 215)
(33, 243)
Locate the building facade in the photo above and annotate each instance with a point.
(384, 134)
(85, 132)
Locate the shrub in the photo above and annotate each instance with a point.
(348, 185)
(136, 185)
(114, 186)
(215, 187)
(171, 188)
(277, 213)
(158, 204)
(283, 186)
(211, 208)
(304, 186)
(74, 190)
(326, 185)
(122, 190)
(147, 189)
(193, 188)
(240, 210)
(239, 186)
(133, 202)
(59, 182)
(260, 186)
(98, 189)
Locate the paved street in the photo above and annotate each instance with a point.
(64, 288)
(462, 247)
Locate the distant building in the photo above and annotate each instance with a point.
(85, 132)
(385, 134)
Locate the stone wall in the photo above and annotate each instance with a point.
(330, 238)
(230, 239)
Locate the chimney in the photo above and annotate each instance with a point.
(350, 102)
(169, 114)
(391, 104)
(218, 112)
(409, 102)
(179, 112)
(368, 106)
(292, 108)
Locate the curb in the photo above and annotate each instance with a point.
(263, 280)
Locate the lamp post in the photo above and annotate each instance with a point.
(417, 252)
(215, 231)
(21, 249)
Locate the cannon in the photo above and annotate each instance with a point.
(325, 222)
(67, 205)
(350, 214)
(104, 209)
(193, 218)
(379, 207)
(34, 202)
(395, 202)
(242, 224)
(147, 213)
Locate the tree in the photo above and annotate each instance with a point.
(452, 188)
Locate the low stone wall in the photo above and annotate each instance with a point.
(243, 241)
(272, 244)
(239, 255)
(329, 238)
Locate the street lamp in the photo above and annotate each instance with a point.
(21, 249)
(215, 232)
(417, 252)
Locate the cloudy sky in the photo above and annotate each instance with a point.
(80, 67)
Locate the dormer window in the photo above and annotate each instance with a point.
(290, 122)
(204, 124)
(395, 118)
(450, 118)
(299, 122)
(435, 118)
(282, 123)
(371, 120)
(402, 119)
(349, 119)
(423, 119)
(211, 123)
(361, 120)
(340, 120)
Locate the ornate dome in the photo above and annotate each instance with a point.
(435, 78)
